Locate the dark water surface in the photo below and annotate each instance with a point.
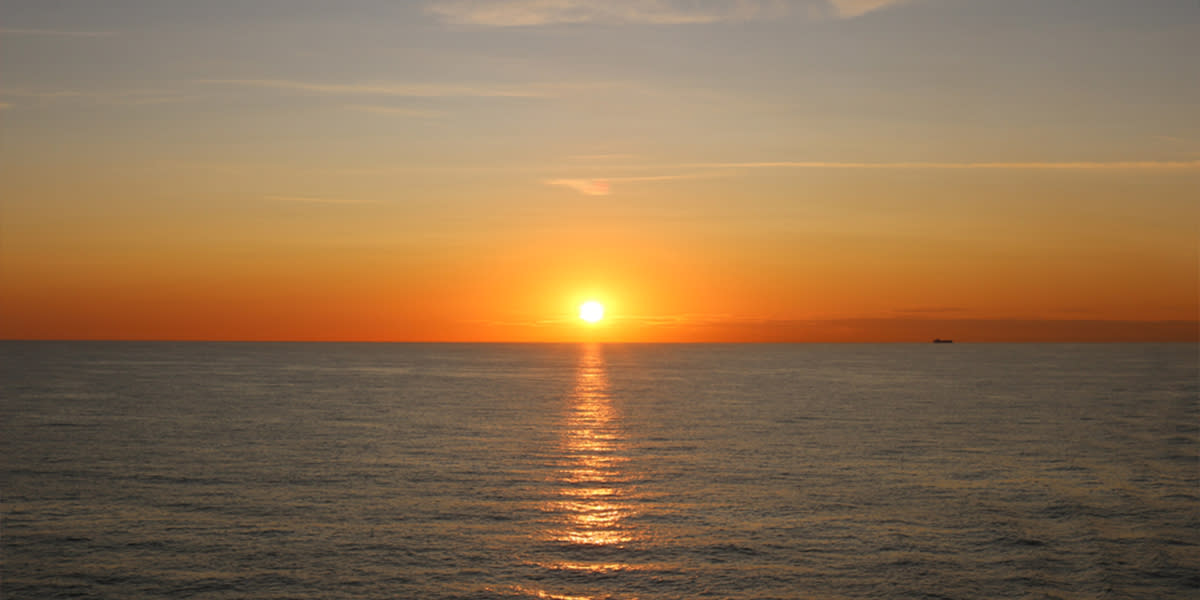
(180, 470)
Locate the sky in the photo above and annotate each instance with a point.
(470, 170)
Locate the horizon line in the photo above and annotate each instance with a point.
(571, 342)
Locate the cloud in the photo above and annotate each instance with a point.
(587, 187)
(917, 328)
(133, 97)
(1078, 165)
(928, 310)
(396, 111)
(691, 319)
(317, 200)
(55, 32)
(418, 90)
(599, 157)
(665, 177)
(533, 13)
(602, 186)
(848, 9)
(527, 13)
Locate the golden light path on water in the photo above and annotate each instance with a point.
(591, 507)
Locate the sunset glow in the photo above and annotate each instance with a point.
(588, 299)
(166, 175)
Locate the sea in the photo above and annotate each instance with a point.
(582, 472)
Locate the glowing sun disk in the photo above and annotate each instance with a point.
(591, 311)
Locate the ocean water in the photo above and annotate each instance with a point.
(573, 472)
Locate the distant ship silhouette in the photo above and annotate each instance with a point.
(941, 341)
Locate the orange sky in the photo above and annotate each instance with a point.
(708, 283)
(456, 171)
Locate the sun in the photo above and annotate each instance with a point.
(591, 311)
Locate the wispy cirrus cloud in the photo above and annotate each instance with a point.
(702, 319)
(411, 90)
(587, 187)
(848, 9)
(55, 32)
(601, 157)
(533, 13)
(397, 111)
(928, 310)
(135, 97)
(603, 186)
(528, 13)
(317, 200)
(1069, 165)
(717, 327)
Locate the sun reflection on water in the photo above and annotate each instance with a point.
(592, 504)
